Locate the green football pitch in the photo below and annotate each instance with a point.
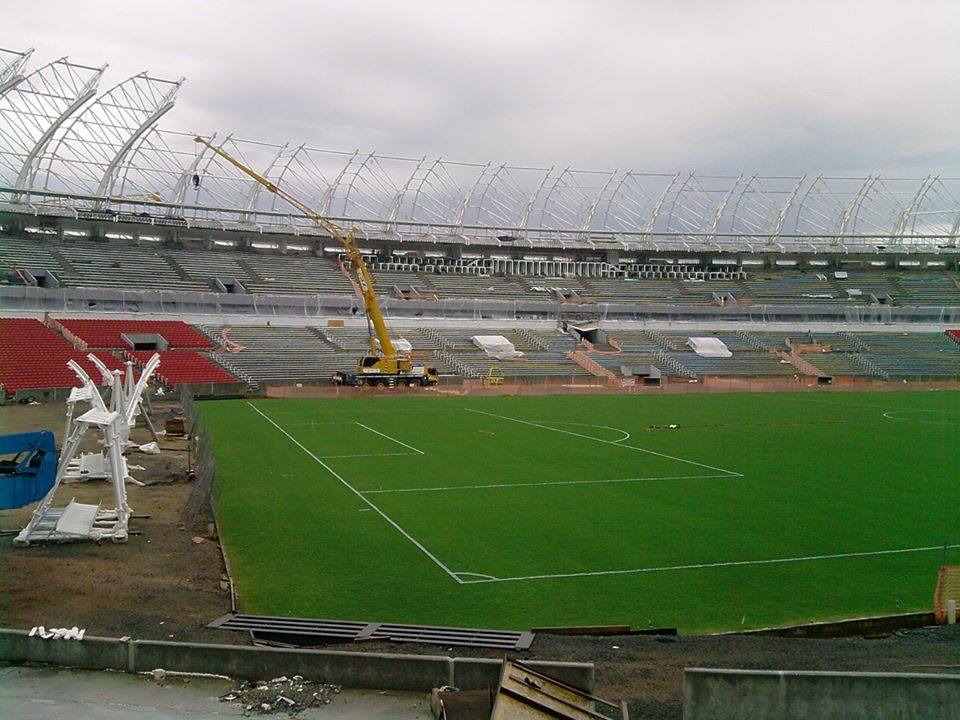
(704, 512)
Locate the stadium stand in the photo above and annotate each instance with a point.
(208, 266)
(109, 333)
(121, 266)
(540, 359)
(182, 366)
(298, 275)
(32, 356)
(913, 355)
(151, 266)
(31, 255)
(279, 354)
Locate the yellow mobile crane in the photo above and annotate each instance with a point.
(384, 365)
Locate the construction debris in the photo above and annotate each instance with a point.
(527, 693)
(281, 695)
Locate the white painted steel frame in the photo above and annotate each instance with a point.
(61, 150)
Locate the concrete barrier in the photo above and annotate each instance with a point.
(97, 653)
(711, 694)
(381, 671)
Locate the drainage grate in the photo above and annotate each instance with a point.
(309, 631)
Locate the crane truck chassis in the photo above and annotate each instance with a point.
(417, 375)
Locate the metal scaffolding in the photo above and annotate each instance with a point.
(65, 149)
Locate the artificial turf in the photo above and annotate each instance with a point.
(446, 510)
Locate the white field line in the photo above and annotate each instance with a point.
(626, 435)
(377, 432)
(891, 415)
(311, 424)
(615, 443)
(701, 566)
(368, 455)
(356, 492)
(541, 484)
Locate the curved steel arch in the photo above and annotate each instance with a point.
(394, 211)
(255, 187)
(92, 147)
(34, 108)
(283, 173)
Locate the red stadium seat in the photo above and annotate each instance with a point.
(32, 356)
(107, 333)
(183, 366)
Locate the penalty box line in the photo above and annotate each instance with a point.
(367, 428)
(359, 494)
(615, 443)
(541, 484)
(707, 566)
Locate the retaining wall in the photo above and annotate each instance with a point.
(710, 694)
(381, 671)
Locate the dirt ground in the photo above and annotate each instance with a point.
(161, 585)
(158, 585)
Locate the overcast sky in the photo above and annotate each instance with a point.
(754, 86)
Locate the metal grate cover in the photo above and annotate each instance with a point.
(310, 631)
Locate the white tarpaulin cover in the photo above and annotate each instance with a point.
(709, 347)
(401, 345)
(497, 346)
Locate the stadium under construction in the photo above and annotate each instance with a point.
(507, 402)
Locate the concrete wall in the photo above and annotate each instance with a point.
(382, 671)
(710, 694)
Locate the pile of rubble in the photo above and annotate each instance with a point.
(281, 695)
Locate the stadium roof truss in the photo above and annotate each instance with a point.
(66, 150)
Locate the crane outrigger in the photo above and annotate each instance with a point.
(384, 365)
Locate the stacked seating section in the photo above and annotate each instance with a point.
(109, 333)
(123, 265)
(32, 356)
(182, 366)
(310, 354)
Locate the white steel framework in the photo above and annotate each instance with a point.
(65, 150)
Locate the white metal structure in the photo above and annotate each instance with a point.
(62, 152)
(78, 521)
(126, 399)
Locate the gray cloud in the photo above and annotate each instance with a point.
(726, 87)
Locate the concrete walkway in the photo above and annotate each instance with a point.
(42, 693)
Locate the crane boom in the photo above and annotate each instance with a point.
(361, 272)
